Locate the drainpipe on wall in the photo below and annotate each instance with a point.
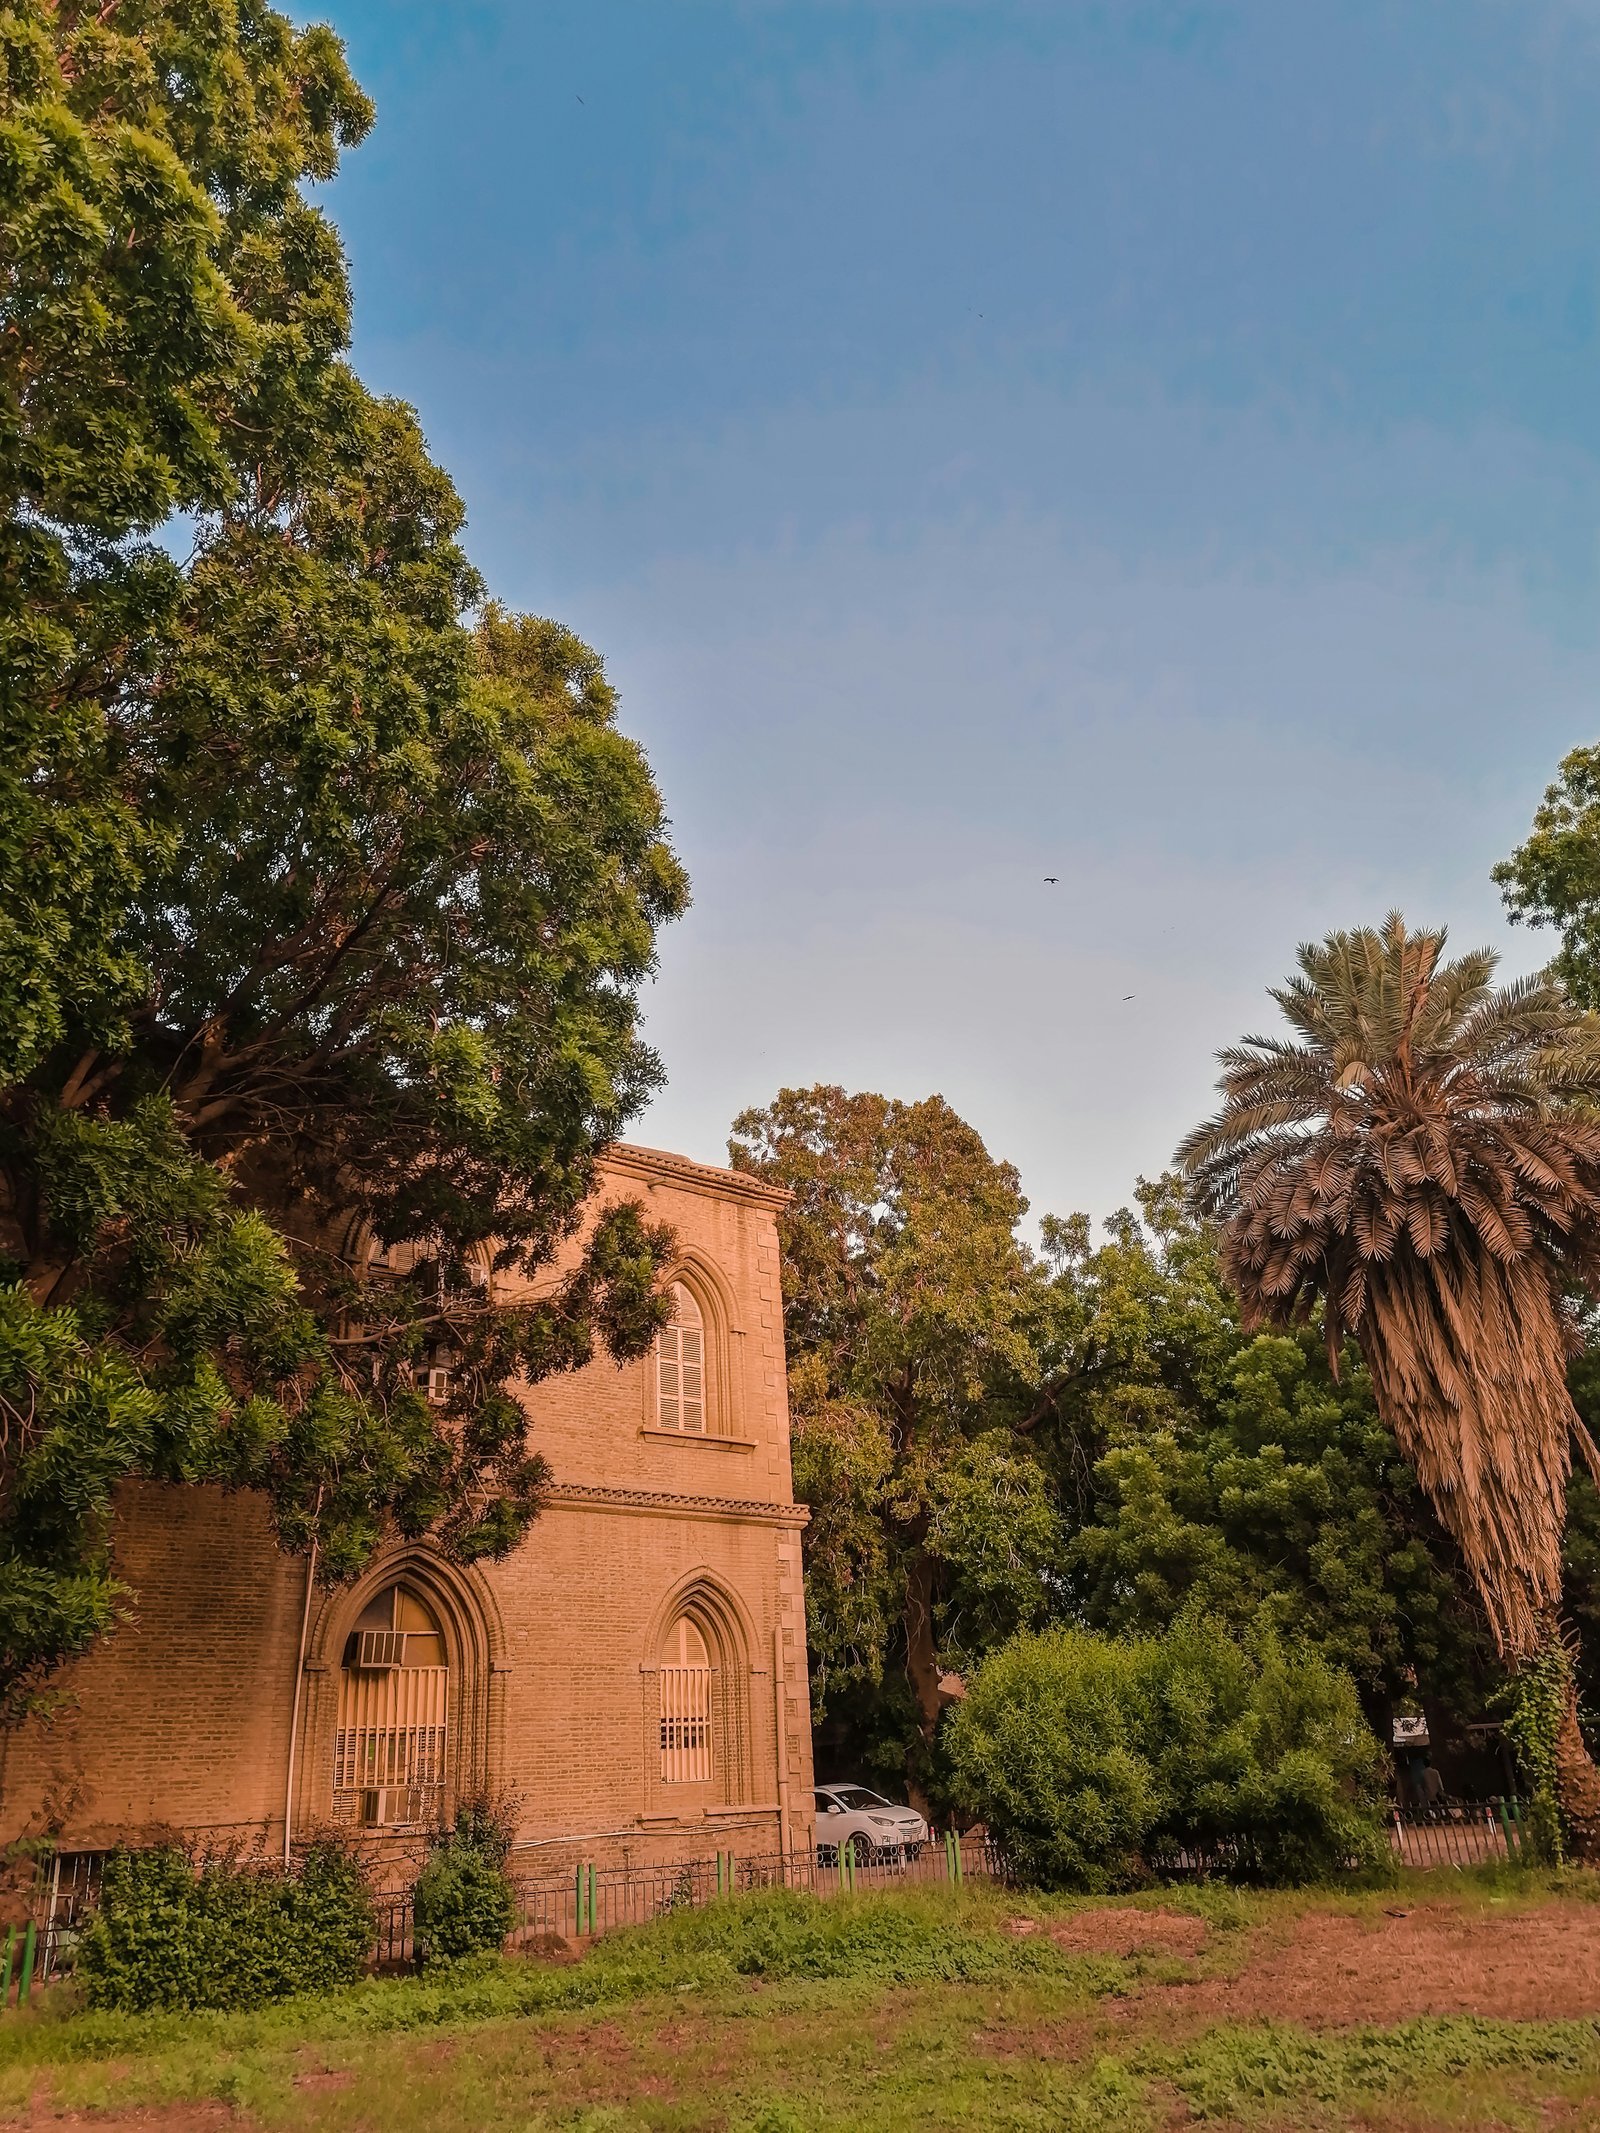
(299, 1683)
(783, 1746)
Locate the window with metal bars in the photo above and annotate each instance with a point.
(681, 1367)
(394, 1700)
(686, 1679)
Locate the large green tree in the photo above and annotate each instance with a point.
(1203, 1466)
(324, 906)
(1420, 1163)
(906, 1300)
(1553, 879)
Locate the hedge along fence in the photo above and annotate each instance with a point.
(591, 1900)
(160, 1927)
(1092, 1757)
(170, 1932)
(580, 1904)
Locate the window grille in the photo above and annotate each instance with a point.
(680, 1368)
(686, 1686)
(389, 1748)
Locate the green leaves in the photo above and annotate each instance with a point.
(1094, 1759)
(159, 274)
(169, 1931)
(323, 907)
(1554, 878)
(1235, 1474)
(908, 1300)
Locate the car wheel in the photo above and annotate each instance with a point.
(857, 1850)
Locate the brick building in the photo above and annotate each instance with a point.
(635, 1672)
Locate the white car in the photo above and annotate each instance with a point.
(865, 1824)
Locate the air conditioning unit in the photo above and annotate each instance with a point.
(381, 1650)
(384, 1806)
(438, 1386)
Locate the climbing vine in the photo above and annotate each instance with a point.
(1540, 1699)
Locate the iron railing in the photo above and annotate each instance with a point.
(590, 1899)
(1458, 1833)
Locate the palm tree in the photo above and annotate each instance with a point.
(1422, 1159)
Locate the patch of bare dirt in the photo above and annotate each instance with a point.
(156, 2118)
(1331, 1971)
(1118, 1931)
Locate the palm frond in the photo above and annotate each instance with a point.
(1423, 1155)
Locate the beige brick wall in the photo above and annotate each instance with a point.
(183, 1718)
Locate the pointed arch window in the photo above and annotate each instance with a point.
(681, 1367)
(394, 1702)
(687, 1685)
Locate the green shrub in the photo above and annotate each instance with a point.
(1048, 1745)
(465, 1904)
(170, 1932)
(1094, 1759)
(1262, 1757)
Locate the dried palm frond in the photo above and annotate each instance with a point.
(1425, 1163)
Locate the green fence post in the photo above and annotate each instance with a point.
(26, 1981)
(955, 1847)
(591, 1896)
(1505, 1831)
(11, 1956)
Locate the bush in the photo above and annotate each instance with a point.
(1262, 1757)
(1095, 1759)
(465, 1904)
(1048, 1745)
(170, 1932)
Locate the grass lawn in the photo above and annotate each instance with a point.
(1467, 2002)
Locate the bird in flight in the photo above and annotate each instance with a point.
(1052, 878)
(1130, 996)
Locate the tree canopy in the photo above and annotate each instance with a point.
(1421, 1162)
(328, 886)
(1233, 1473)
(906, 1291)
(1554, 878)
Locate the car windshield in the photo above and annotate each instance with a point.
(858, 1796)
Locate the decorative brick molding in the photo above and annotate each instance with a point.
(744, 1510)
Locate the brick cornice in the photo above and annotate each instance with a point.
(657, 1167)
(737, 1510)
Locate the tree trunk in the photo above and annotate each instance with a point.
(922, 1661)
(1578, 1787)
(1575, 1777)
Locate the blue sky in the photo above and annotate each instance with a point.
(1156, 445)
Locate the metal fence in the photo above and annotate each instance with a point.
(592, 1899)
(1458, 1833)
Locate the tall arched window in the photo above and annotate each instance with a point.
(681, 1367)
(687, 1679)
(394, 1697)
